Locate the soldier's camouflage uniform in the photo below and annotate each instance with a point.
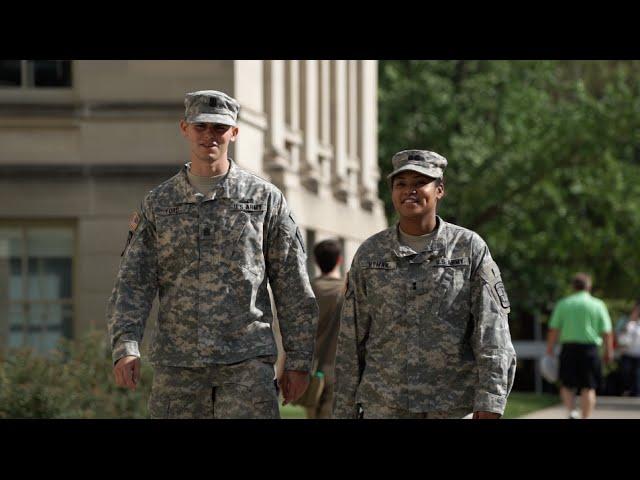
(424, 335)
(209, 259)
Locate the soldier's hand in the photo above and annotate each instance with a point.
(127, 372)
(293, 384)
(485, 415)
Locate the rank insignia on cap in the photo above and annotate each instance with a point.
(134, 221)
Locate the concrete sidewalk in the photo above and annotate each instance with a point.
(606, 407)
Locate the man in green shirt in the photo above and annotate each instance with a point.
(581, 322)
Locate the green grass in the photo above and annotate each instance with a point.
(519, 403)
(289, 412)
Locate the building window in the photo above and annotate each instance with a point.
(35, 73)
(36, 303)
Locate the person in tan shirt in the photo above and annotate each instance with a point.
(328, 288)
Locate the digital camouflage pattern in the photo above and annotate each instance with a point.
(424, 332)
(244, 390)
(211, 106)
(209, 259)
(427, 163)
(379, 412)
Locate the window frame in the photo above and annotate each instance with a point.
(27, 78)
(24, 304)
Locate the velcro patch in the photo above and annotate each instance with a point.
(248, 207)
(452, 262)
(502, 294)
(379, 264)
(489, 271)
(172, 210)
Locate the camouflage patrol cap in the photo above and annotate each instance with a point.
(425, 162)
(210, 106)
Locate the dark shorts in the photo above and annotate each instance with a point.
(580, 366)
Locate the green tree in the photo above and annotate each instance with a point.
(544, 163)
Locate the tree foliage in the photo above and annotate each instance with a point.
(544, 163)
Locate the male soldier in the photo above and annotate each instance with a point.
(207, 240)
(424, 330)
(328, 290)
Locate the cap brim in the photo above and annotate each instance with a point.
(212, 118)
(429, 172)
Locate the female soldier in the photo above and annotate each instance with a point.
(424, 329)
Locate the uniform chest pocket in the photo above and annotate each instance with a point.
(176, 228)
(244, 238)
(385, 294)
(451, 291)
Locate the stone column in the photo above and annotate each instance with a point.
(325, 148)
(252, 121)
(310, 124)
(293, 135)
(369, 174)
(276, 158)
(353, 162)
(339, 101)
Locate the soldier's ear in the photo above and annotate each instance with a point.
(183, 127)
(234, 134)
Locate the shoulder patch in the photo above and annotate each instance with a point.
(490, 274)
(502, 295)
(134, 221)
(489, 271)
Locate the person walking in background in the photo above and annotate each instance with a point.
(629, 340)
(580, 323)
(328, 288)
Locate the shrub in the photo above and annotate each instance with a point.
(73, 381)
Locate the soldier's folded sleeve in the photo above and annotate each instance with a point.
(491, 340)
(350, 352)
(134, 290)
(292, 293)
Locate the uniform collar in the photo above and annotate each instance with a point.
(221, 190)
(437, 245)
